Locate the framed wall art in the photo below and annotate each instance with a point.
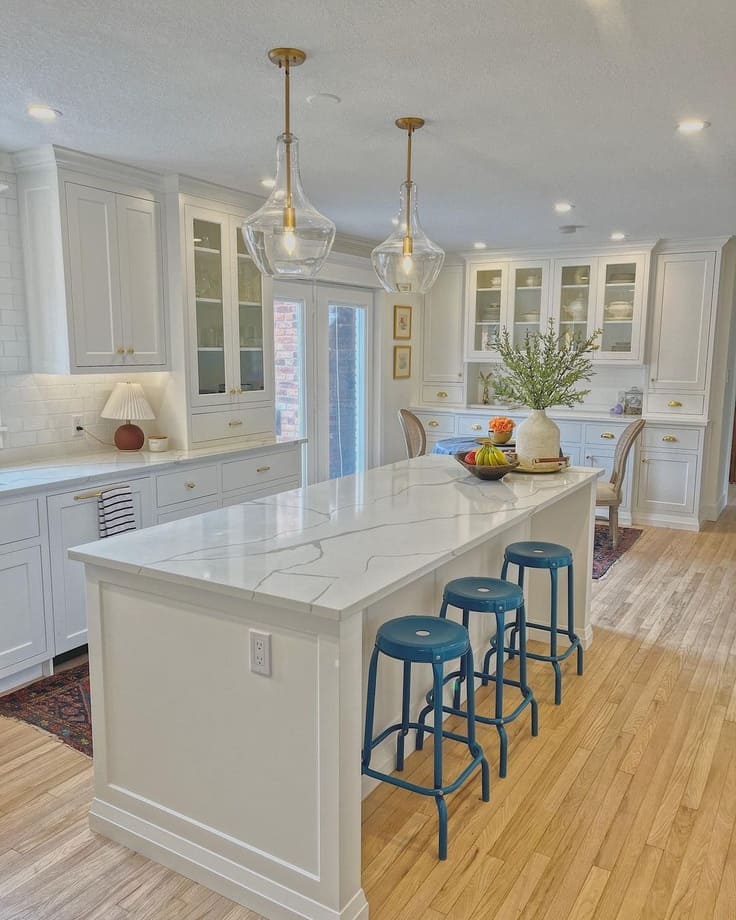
(402, 322)
(402, 362)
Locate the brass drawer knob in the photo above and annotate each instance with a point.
(674, 404)
(476, 427)
(669, 438)
(130, 351)
(120, 350)
(608, 435)
(190, 485)
(441, 394)
(263, 469)
(234, 423)
(433, 424)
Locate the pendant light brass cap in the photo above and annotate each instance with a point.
(291, 56)
(409, 123)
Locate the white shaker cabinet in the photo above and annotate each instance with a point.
(73, 521)
(442, 341)
(94, 265)
(667, 483)
(22, 622)
(683, 307)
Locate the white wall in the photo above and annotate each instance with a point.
(13, 332)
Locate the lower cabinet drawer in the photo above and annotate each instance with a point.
(570, 432)
(188, 509)
(436, 424)
(234, 423)
(19, 521)
(674, 405)
(253, 471)
(451, 394)
(474, 426)
(186, 485)
(604, 435)
(671, 437)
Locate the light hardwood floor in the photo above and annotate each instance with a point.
(623, 808)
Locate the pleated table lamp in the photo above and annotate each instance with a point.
(128, 401)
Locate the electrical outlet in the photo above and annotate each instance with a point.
(260, 652)
(77, 425)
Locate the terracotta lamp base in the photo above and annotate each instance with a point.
(129, 437)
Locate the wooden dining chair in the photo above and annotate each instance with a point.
(608, 494)
(414, 434)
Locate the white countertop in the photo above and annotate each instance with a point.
(336, 547)
(82, 469)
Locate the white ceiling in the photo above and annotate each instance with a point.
(527, 102)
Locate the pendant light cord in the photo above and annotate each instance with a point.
(288, 210)
(408, 244)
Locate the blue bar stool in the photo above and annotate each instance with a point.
(487, 595)
(552, 556)
(432, 641)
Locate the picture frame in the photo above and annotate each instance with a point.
(402, 362)
(402, 322)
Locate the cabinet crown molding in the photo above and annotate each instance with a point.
(88, 164)
(558, 252)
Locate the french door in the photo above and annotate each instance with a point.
(323, 363)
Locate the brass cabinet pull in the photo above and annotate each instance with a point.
(190, 485)
(442, 394)
(476, 427)
(433, 424)
(238, 391)
(234, 423)
(674, 403)
(669, 437)
(85, 495)
(608, 435)
(130, 351)
(263, 469)
(120, 350)
(232, 391)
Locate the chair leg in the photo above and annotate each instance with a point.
(370, 708)
(553, 636)
(405, 699)
(613, 524)
(503, 737)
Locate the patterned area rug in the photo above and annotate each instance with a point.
(604, 555)
(58, 704)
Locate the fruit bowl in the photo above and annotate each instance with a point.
(486, 472)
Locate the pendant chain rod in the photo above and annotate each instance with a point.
(408, 244)
(288, 215)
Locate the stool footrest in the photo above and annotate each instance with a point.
(477, 761)
(415, 726)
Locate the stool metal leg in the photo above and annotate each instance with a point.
(463, 668)
(437, 670)
(405, 700)
(473, 745)
(370, 708)
(525, 689)
(515, 630)
(503, 737)
(553, 636)
(571, 616)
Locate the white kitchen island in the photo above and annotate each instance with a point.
(251, 784)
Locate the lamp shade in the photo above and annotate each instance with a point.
(127, 401)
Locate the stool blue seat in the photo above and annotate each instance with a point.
(533, 554)
(422, 639)
(491, 596)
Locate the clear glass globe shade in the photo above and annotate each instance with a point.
(294, 245)
(408, 273)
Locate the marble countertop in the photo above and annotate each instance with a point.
(87, 468)
(336, 547)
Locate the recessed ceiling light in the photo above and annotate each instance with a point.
(43, 112)
(479, 245)
(692, 125)
(563, 207)
(395, 221)
(268, 183)
(618, 235)
(317, 98)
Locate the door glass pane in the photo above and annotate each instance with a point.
(618, 307)
(346, 426)
(209, 307)
(250, 319)
(288, 323)
(527, 303)
(487, 308)
(575, 300)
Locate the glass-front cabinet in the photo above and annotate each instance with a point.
(486, 290)
(229, 302)
(529, 300)
(620, 308)
(575, 293)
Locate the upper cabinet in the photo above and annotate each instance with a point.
(579, 294)
(230, 313)
(93, 255)
(443, 329)
(681, 328)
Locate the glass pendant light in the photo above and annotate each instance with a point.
(408, 262)
(288, 237)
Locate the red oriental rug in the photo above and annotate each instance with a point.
(58, 704)
(604, 555)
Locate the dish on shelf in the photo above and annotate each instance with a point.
(529, 318)
(487, 472)
(622, 278)
(619, 309)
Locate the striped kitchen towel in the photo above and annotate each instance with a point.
(115, 512)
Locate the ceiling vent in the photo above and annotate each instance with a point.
(571, 228)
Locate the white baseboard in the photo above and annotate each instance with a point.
(19, 678)
(711, 512)
(234, 881)
(673, 521)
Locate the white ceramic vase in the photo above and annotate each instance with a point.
(537, 437)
